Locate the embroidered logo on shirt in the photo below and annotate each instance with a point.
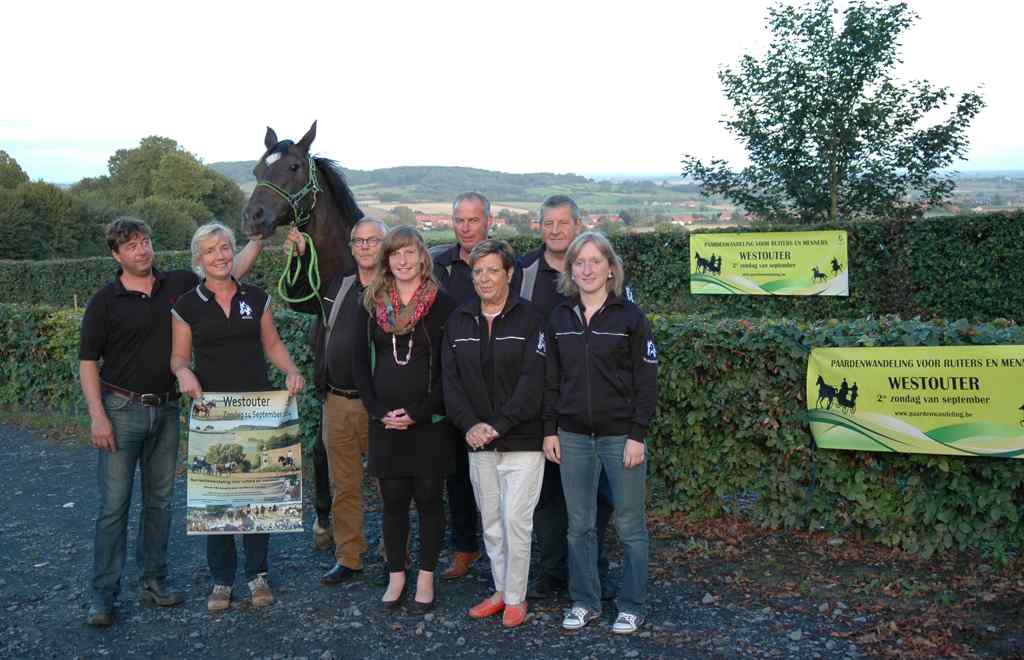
(244, 310)
(652, 351)
(542, 346)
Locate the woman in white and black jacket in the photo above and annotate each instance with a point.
(601, 392)
(493, 370)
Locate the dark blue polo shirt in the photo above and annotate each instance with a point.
(228, 350)
(131, 331)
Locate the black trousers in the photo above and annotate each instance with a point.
(397, 493)
(551, 522)
(462, 504)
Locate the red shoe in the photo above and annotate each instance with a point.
(486, 608)
(514, 615)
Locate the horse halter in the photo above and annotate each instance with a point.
(293, 199)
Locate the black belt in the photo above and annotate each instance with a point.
(148, 399)
(347, 394)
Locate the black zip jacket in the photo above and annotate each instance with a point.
(602, 378)
(511, 401)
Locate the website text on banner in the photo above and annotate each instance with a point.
(804, 263)
(244, 464)
(956, 400)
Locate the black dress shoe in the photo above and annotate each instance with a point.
(154, 591)
(393, 604)
(338, 574)
(416, 607)
(545, 587)
(100, 616)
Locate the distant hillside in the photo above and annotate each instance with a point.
(429, 183)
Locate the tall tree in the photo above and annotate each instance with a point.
(829, 130)
(11, 174)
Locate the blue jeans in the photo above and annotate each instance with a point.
(582, 459)
(146, 436)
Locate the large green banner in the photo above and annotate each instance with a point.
(798, 263)
(959, 400)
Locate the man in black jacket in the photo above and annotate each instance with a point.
(536, 280)
(471, 220)
(344, 429)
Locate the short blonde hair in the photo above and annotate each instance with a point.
(566, 285)
(205, 232)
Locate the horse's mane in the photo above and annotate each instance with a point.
(346, 202)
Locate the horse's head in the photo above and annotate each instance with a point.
(283, 184)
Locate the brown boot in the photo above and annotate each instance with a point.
(461, 561)
(260, 592)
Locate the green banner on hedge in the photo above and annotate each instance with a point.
(958, 400)
(798, 263)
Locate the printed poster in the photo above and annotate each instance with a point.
(955, 400)
(244, 464)
(804, 263)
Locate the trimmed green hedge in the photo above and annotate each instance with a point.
(730, 432)
(731, 424)
(965, 267)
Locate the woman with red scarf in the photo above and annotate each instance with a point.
(397, 368)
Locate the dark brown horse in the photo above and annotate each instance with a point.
(295, 187)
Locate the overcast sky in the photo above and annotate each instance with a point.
(561, 86)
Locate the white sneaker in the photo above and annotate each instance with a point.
(627, 623)
(578, 617)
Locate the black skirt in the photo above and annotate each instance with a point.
(422, 450)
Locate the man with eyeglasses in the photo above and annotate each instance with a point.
(471, 220)
(345, 425)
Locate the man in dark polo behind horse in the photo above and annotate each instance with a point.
(471, 220)
(124, 353)
(345, 424)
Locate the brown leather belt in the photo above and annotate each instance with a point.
(145, 399)
(348, 394)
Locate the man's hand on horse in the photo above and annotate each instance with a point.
(295, 238)
(103, 435)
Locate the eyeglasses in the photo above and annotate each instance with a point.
(366, 242)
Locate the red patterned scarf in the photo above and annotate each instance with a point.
(403, 320)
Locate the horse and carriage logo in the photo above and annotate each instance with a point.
(713, 264)
(844, 396)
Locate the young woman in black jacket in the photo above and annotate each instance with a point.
(601, 392)
(493, 385)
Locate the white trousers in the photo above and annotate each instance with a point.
(507, 487)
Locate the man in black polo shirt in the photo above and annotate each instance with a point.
(124, 353)
(471, 220)
(536, 280)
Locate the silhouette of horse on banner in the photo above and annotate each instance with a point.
(712, 265)
(845, 396)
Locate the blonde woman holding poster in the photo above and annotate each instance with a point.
(229, 329)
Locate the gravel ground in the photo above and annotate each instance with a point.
(49, 504)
